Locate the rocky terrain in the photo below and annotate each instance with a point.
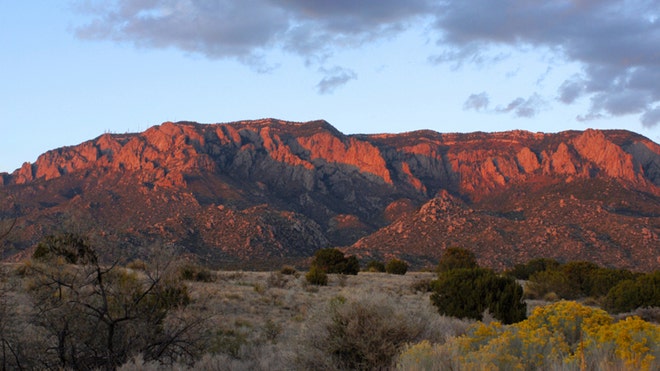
(262, 193)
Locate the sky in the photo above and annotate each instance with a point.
(73, 70)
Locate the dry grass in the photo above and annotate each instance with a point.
(264, 320)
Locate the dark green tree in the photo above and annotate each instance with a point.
(579, 275)
(332, 260)
(468, 293)
(457, 258)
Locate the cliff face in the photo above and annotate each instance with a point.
(257, 189)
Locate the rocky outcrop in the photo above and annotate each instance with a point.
(321, 187)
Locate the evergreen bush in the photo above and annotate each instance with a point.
(332, 260)
(468, 293)
(396, 266)
(457, 258)
(375, 266)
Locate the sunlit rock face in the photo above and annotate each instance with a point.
(271, 188)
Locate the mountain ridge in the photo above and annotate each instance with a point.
(318, 187)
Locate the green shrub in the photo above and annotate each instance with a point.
(193, 272)
(375, 266)
(317, 276)
(579, 275)
(576, 280)
(396, 266)
(457, 258)
(468, 293)
(524, 271)
(627, 295)
(602, 280)
(332, 260)
(351, 266)
(545, 282)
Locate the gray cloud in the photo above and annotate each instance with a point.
(335, 78)
(615, 41)
(521, 107)
(245, 28)
(477, 102)
(217, 29)
(651, 118)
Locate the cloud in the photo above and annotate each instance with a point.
(521, 107)
(651, 118)
(247, 28)
(615, 42)
(477, 102)
(335, 78)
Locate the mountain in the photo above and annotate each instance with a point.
(259, 193)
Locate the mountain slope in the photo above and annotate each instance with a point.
(258, 190)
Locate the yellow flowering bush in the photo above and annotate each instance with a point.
(564, 335)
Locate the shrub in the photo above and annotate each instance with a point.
(288, 270)
(631, 294)
(457, 258)
(543, 283)
(71, 247)
(97, 317)
(332, 260)
(352, 266)
(574, 280)
(560, 336)
(193, 272)
(602, 280)
(317, 276)
(524, 271)
(396, 266)
(422, 285)
(467, 293)
(375, 266)
(428, 356)
(579, 275)
(357, 334)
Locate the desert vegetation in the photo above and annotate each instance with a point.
(65, 309)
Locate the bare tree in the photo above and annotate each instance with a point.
(99, 316)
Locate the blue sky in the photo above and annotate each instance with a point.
(73, 70)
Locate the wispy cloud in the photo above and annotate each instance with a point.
(335, 78)
(522, 107)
